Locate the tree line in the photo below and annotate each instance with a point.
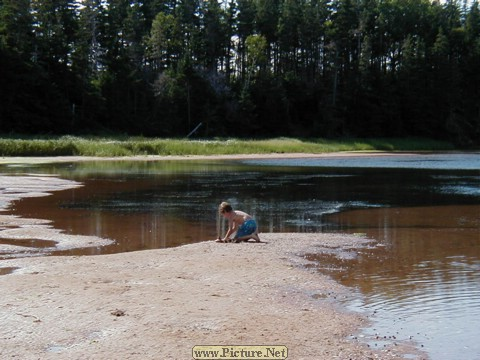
(243, 68)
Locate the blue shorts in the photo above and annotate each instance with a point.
(247, 228)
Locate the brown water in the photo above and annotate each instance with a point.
(80, 211)
(419, 278)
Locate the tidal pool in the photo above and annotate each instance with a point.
(419, 279)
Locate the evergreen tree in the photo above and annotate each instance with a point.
(245, 27)
(266, 20)
(165, 46)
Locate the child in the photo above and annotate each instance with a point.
(240, 222)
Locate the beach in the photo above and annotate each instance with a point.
(160, 304)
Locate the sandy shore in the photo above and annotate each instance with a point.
(56, 159)
(159, 304)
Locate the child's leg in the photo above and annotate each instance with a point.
(256, 237)
(247, 231)
(253, 236)
(243, 238)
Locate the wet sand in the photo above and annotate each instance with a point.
(159, 304)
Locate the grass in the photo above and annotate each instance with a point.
(134, 146)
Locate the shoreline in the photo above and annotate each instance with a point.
(57, 159)
(161, 303)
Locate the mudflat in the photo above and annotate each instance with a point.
(159, 304)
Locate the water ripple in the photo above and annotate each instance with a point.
(431, 288)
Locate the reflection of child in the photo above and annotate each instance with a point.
(240, 222)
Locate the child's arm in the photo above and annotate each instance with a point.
(231, 229)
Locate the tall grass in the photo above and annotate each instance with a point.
(134, 146)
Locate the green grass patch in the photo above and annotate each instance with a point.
(134, 146)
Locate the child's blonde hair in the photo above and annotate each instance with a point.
(225, 207)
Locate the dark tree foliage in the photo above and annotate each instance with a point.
(246, 68)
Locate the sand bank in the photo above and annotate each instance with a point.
(57, 159)
(158, 304)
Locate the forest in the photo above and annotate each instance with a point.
(242, 68)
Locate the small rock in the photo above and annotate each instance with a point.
(118, 312)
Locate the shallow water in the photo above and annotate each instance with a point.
(420, 281)
(419, 277)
